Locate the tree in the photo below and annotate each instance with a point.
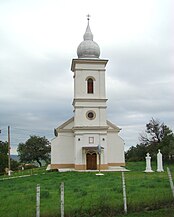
(154, 132)
(3, 156)
(167, 145)
(35, 149)
(158, 136)
(136, 153)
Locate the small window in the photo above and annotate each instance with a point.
(90, 115)
(90, 85)
(91, 140)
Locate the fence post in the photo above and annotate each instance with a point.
(124, 193)
(38, 200)
(62, 199)
(170, 180)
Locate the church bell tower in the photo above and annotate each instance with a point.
(90, 123)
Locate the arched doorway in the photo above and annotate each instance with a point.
(91, 161)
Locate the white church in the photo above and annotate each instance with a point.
(77, 140)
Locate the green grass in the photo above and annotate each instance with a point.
(166, 212)
(87, 194)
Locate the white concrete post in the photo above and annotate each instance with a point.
(62, 199)
(148, 164)
(124, 193)
(159, 162)
(170, 180)
(38, 200)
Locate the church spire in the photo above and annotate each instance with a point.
(88, 34)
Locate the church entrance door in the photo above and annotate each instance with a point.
(91, 161)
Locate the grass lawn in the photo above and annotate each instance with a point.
(88, 195)
(167, 212)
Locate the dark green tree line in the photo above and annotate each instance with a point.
(3, 156)
(156, 136)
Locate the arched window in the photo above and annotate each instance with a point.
(90, 85)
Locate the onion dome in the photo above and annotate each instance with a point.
(88, 48)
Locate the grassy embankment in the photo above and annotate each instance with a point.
(87, 194)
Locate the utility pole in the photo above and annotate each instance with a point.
(9, 166)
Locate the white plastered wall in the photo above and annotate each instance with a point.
(62, 149)
(80, 84)
(82, 120)
(115, 148)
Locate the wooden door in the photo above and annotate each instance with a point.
(91, 161)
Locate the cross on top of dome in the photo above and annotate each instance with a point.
(88, 17)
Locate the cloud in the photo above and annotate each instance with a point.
(38, 41)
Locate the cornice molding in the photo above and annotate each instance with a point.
(85, 61)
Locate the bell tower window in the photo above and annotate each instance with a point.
(90, 85)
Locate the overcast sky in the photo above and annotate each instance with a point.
(39, 39)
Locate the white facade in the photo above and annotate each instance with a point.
(77, 140)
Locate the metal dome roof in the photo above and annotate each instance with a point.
(88, 48)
